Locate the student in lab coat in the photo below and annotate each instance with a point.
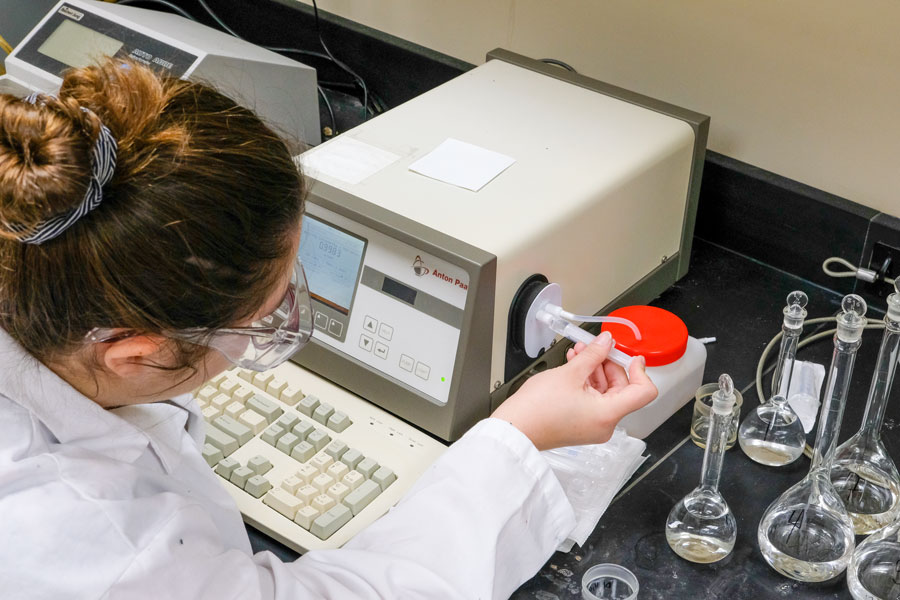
(147, 225)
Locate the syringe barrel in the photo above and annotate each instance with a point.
(577, 334)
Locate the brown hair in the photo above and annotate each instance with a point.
(192, 230)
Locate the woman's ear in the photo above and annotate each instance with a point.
(133, 356)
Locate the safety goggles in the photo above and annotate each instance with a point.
(264, 344)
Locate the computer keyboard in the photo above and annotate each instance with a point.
(307, 462)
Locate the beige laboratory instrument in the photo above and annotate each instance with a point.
(419, 283)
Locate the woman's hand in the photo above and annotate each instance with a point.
(579, 402)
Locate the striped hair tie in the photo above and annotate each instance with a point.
(103, 165)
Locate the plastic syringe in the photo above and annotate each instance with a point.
(572, 332)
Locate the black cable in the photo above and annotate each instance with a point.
(327, 56)
(559, 63)
(216, 18)
(330, 112)
(174, 7)
(359, 79)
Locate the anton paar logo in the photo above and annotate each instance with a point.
(71, 13)
(419, 267)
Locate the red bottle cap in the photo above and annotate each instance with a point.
(663, 335)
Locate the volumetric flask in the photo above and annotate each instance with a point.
(863, 473)
(806, 533)
(701, 528)
(772, 434)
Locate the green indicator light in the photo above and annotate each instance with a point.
(443, 379)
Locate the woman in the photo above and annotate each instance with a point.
(148, 225)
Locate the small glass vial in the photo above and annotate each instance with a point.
(772, 434)
(806, 533)
(701, 528)
(863, 473)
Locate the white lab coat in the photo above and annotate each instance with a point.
(120, 504)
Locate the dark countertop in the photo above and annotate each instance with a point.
(739, 301)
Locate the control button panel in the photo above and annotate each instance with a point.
(365, 342)
(422, 370)
(370, 324)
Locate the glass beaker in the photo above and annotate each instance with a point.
(700, 527)
(863, 473)
(772, 434)
(806, 533)
(700, 418)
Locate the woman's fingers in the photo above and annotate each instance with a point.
(615, 375)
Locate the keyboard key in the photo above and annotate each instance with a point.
(333, 519)
(338, 491)
(303, 452)
(246, 374)
(291, 484)
(259, 464)
(252, 419)
(319, 439)
(338, 470)
(288, 420)
(221, 440)
(303, 429)
(207, 393)
(276, 386)
(265, 407)
(239, 432)
(322, 412)
(287, 442)
(210, 413)
(336, 449)
(351, 457)
(217, 380)
(261, 380)
(228, 387)
(211, 454)
(339, 421)
(323, 502)
(384, 477)
(367, 467)
(360, 498)
(272, 434)
(240, 476)
(353, 479)
(242, 394)
(321, 462)
(322, 482)
(307, 493)
(226, 467)
(305, 516)
(307, 405)
(306, 473)
(220, 401)
(257, 485)
(285, 503)
(234, 410)
(291, 395)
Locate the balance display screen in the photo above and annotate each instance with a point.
(78, 46)
(331, 259)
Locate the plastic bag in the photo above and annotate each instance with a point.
(592, 475)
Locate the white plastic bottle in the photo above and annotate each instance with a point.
(675, 363)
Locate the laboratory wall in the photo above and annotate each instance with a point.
(807, 89)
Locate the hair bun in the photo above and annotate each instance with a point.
(45, 164)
